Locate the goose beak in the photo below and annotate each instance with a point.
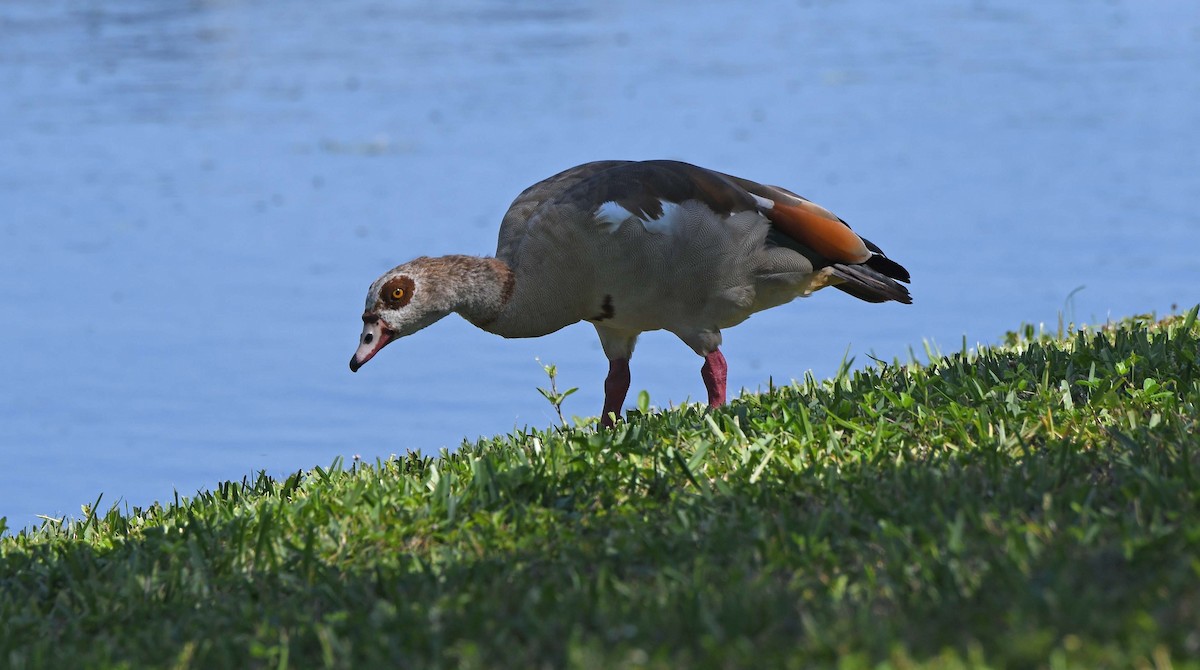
(375, 336)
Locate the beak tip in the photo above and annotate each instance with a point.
(375, 337)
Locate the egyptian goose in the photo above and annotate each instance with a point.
(632, 246)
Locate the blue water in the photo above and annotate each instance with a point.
(194, 197)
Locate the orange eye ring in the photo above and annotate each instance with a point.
(397, 293)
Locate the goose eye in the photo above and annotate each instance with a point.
(397, 292)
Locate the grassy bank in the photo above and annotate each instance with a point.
(1033, 504)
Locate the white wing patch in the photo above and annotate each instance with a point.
(763, 203)
(664, 223)
(610, 216)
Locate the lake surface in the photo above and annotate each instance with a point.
(194, 197)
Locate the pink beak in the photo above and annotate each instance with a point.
(375, 336)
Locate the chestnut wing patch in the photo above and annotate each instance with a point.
(809, 225)
(807, 222)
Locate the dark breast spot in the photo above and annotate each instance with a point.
(607, 311)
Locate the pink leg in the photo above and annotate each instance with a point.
(616, 385)
(714, 373)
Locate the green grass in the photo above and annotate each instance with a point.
(1029, 505)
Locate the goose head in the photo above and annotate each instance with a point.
(402, 301)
